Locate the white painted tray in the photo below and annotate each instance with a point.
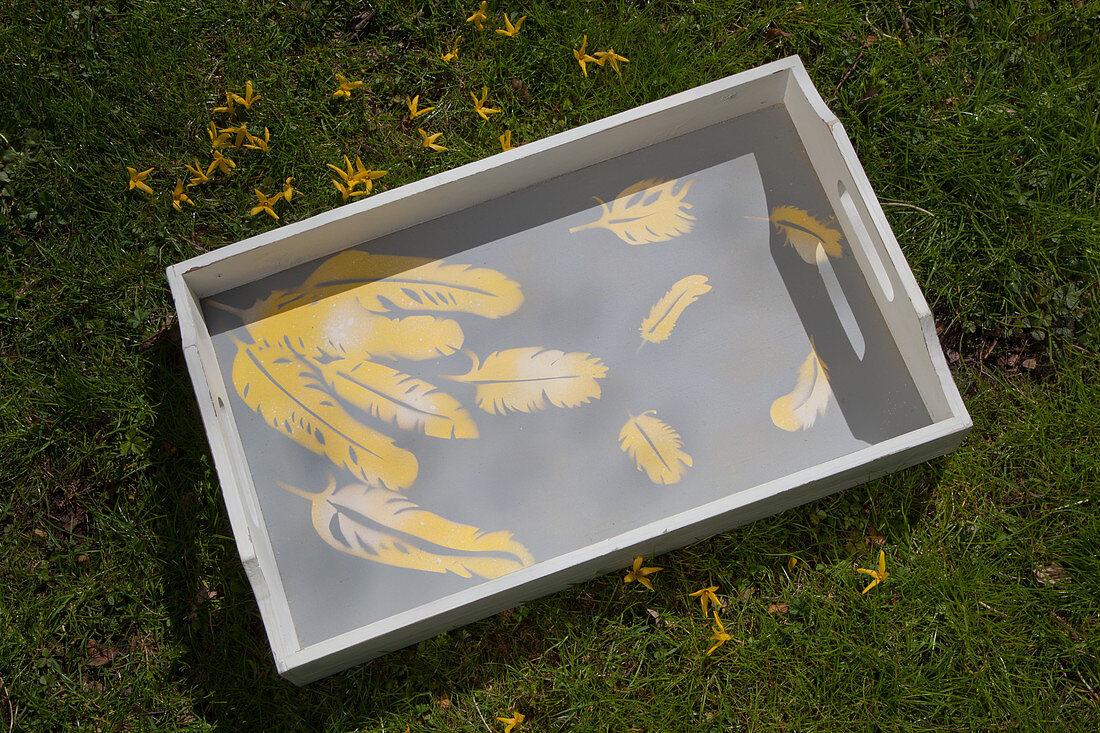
(435, 403)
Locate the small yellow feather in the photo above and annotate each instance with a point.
(648, 211)
(666, 312)
(800, 409)
(655, 448)
(527, 379)
(805, 233)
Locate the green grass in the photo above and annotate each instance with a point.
(124, 606)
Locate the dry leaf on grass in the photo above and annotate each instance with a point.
(1052, 574)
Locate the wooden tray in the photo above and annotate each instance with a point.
(432, 404)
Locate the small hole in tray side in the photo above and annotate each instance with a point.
(855, 224)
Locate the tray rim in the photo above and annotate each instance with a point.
(198, 277)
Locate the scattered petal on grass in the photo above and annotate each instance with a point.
(506, 140)
(348, 191)
(197, 173)
(582, 57)
(346, 87)
(479, 104)
(249, 98)
(218, 139)
(365, 175)
(479, 17)
(265, 204)
(230, 105)
(241, 132)
(414, 109)
(288, 190)
(516, 718)
(706, 597)
(354, 176)
(720, 636)
(255, 142)
(611, 58)
(137, 180)
(220, 163)
(453, 53)
(878, 575)
(347, 175)
(638, 573)
(791, 563)
(512, 30)
(429, 140)
(179, 197)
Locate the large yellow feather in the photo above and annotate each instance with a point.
(649, 211)
(527, 379)
(665, 312)
(393, 397)
(441, 287)
(655, 448)
(288, 393)
(800, 409)
(804, 232)
(385, 527)
(339, 328)
(337, 274)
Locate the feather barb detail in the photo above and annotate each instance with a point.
(649, 211)
(655, 448)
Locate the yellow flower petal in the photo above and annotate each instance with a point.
(479, 17)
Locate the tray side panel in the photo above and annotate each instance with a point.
(242, 508)
(454, 190)
(874, 246)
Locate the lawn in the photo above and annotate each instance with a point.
(123, 602)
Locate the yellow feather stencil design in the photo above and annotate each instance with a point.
(800, 409)
(384, 526)
(804, 232)
(442, 287)
(338, 327)
(527, 379)
(337, 274)
(290, 396)
(394, 397)
(664, 314)
(655, 448)
(652, 210)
